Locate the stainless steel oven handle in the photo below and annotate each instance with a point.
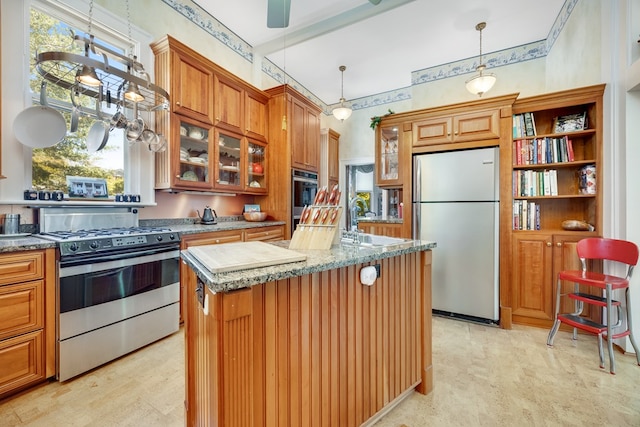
(307, 180)
(131, 259)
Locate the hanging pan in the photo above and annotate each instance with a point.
(99, 132)
(40, 126)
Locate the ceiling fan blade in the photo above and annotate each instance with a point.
(374, 2)
(278, 13)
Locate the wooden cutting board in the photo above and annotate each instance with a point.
(243, 255)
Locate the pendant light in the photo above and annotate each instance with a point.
(482, 82)
(342, 112)
(87, 74)
(131, 91)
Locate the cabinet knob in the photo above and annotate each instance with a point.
(178, 176)
(548, 244)
(217, 240)
(559, 244)
(178, 103)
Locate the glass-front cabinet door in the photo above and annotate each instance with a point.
(256, 167)
(388, 157)
(229, 161)
(193, 164)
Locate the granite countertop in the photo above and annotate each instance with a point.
(194, 228)
(317, 260)
(182, 226)
(381, 219)
(25, 243)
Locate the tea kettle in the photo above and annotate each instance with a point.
(208, 217)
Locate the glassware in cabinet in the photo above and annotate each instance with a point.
(388, 157)
(256, 167)
(229, 161)
(193, 155)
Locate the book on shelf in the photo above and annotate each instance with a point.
(526, 215)
(570, 122)
(533, 183)
(545, 150)
(524, 125)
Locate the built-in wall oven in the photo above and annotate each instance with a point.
(118, 289)
(304, 188)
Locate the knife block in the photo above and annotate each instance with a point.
(315, 233)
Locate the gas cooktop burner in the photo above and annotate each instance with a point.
(110, 240)
(102, 232)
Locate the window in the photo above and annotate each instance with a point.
(51, 29)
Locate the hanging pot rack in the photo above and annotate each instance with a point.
(60, 68)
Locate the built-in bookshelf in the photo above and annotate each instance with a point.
(549, 167)
(554, 157)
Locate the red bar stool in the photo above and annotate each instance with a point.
(596, 248)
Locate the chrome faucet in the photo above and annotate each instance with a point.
(353, 209)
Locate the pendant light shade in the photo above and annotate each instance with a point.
(88, 77)
(343, 112)
(132, 92)
(482, 82)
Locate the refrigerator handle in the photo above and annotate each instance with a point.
(417, 180)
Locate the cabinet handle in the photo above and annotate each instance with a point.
(548, 244)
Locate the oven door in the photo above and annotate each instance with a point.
(114, 287)
(115, 304)
(304, 188)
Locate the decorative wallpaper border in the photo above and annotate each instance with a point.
(527, 52)
(211, 25)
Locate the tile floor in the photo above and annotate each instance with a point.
(484, 376)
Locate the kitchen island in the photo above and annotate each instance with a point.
(306, 343)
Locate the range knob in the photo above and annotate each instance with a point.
(94, 245)
(159, 237)
(73, 247)
(172, 237)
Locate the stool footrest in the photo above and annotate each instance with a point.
(592, 299)
(582, 323)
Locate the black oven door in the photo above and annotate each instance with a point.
(304, 189)
(117, 276)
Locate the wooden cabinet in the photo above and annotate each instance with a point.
(192, 158)
(333, 158)
(538, 257)
(227, 114)
(389, 155)
(191, 83)
(463, 127)
(229, 104)
(305, 135)
(295, 125)
(27, 319)
(293, 122)
(265, 234)
(255, 114)
(540, 247)
(314, 350)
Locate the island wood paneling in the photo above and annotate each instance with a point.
(318, 350)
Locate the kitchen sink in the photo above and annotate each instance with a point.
(373, 240)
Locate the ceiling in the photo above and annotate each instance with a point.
(380, 45)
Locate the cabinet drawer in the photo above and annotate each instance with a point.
(21, 308)
(21, 362)
(213, 238)
(265, 234)
(21, 267)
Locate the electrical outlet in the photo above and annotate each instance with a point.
(377, 266)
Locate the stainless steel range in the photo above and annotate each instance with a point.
(119, 285)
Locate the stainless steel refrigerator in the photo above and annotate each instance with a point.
(456, 204)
